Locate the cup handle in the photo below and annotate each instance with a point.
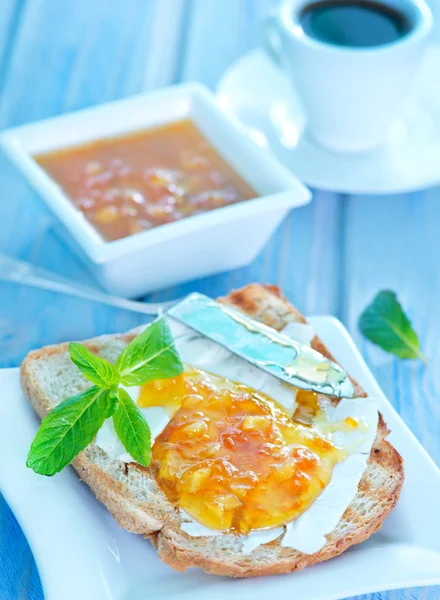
(272, 40)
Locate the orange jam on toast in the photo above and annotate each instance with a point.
(232, 458)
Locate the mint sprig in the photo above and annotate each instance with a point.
(385, 324)
(73, 424)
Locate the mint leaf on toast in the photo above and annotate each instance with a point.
(150, 355)
(385, 324)
(132, 429)
(95, 369)
(73, 424)
(68, 429)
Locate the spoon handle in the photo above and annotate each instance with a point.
(25, 273)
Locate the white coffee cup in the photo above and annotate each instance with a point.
(349, 94)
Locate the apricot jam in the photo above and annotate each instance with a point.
(232, 458)
(145, 179)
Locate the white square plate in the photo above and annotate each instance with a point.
(82, 553)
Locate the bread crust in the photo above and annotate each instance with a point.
(149, 513)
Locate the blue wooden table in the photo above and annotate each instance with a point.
(330, 257)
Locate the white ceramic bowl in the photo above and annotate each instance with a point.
(215, 241)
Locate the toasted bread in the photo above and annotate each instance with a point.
(132, 495)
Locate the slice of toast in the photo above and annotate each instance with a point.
(132, 495)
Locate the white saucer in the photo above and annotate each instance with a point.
(261, 97)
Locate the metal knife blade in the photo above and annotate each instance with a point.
(262, 346)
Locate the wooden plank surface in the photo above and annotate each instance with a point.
(400, 254)
(329, 257)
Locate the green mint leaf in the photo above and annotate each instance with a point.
(132, 429)
(385, 324)
(150, 355)
(69, 428)
(95, 369)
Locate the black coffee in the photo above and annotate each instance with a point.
(360, 23)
